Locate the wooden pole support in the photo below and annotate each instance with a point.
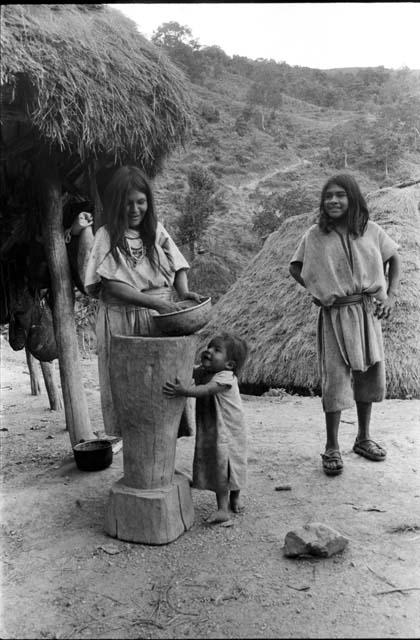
(53, 392)
(33, 373)
(75, 403)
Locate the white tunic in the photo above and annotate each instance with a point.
(334, 266)
(220, 457)
(125, 319)
(144, 275)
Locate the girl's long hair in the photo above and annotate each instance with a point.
(124, 180)
(358, 213)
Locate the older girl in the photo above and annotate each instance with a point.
(342, 262)
(134, 268)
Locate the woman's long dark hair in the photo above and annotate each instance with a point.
(358, 213)
(115, 198)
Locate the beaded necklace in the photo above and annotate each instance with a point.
(134, 246)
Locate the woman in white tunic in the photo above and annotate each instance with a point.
(342, 262)
(134, 268)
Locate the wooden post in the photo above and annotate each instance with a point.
(54, 396)
(33, 373)
(47, 369)
(75, 403)
(151, 504)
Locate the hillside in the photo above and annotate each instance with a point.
(270, 151)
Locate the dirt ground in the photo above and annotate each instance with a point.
(63, 577)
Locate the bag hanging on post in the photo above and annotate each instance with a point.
(41, 338)
(20, 312)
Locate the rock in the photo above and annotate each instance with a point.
(315, 539)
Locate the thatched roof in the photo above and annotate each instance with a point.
(277, 318)
(89, 84)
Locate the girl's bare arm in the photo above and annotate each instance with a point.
(295, 270)
(384, 309)
(394, 274)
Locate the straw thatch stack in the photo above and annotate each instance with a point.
(88, 83)
(278, 319)
(398, 211)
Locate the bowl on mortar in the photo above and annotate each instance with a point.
(186, 321)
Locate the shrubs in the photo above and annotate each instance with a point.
(210, 113)
(198, 206)
(276, 207)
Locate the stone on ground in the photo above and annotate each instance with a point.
(315, 539)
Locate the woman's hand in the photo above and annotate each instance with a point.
(181, 287)
(164, 306)
(190, 295)
(83, 220)
(174, 389)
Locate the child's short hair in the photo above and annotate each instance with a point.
(236, 349)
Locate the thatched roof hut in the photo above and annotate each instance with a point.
(81, 91)
(278, 319)
(87, 83)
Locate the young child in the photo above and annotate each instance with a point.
(342, 262)
(134, 268)
(220, 457)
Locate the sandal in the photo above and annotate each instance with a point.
(369, 449)
(332, 455)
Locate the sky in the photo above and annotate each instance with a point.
(314, 34)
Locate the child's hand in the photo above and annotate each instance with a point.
(174, 389)
(83, 220)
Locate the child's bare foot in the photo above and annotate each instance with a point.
(218, 516)
(235, 502)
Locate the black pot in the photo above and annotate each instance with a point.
(93, 455)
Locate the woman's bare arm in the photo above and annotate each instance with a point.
(113, 289)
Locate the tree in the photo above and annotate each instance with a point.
(388, 142)
(275, 208)
(396, 130)
(404, 113)
(267, 87)
(215, 60)
(171, 34)
(348, 142)
(400, 104)
(181, 47)
(267, 218)
(199, 205)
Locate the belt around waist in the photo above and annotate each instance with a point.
(365, 299)
(357, 298)
(354, 299)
